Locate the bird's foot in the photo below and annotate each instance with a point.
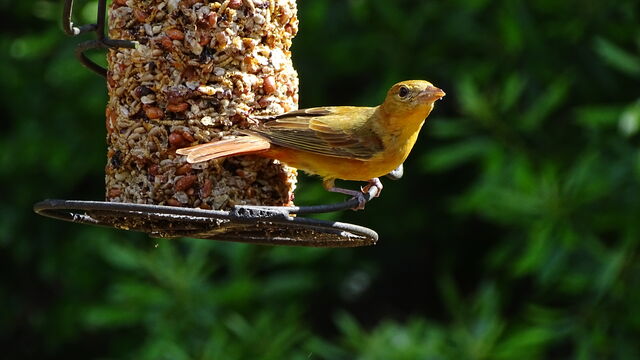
(375, 184)
(362, 200)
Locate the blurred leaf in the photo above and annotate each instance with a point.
(598, 117)
(611, 268)
(545, 104)
(524, 343)
(513, 89)
(537, 250)
(617, 57)
(109, 316)
(473, 102)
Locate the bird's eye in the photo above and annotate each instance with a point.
(403, 92)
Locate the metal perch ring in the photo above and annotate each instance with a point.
(247, 224)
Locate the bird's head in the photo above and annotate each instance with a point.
(412, 96)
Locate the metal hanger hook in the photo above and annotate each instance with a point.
(103, 41)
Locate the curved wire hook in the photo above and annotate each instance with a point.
(103, 41)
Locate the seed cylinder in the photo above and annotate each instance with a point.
(199, 73)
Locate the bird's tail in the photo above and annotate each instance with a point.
(243, 145)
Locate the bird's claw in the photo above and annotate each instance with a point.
(374, 189)
(374, 183)
(362, 201)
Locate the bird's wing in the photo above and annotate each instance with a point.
(331, 131)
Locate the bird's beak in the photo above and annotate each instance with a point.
(432, 93)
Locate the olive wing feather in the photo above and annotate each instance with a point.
(331, 131)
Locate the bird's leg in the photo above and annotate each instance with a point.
(329, 185)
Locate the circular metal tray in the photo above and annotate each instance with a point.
(247, 224)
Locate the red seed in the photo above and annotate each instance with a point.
(235, 4)
(212, 18)
(114, 192)
(177, 108)
(153, 112)
(183, 169)
(188, 136)
(205, 38)
(141, 91)
(110, 81)
(166, 43)
(291, 90)
(176, 140)
(207, 188)
(186, 182)
(175, 96)
(269, 85)
(140, 15)
(175, 34)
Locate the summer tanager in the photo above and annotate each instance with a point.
(337, 142)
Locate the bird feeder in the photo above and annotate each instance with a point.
(183, 72)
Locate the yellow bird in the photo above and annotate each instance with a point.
(337, 142)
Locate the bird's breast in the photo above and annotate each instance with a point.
(332, 166)
(396, 148)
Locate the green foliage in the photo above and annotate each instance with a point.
(514, 234)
